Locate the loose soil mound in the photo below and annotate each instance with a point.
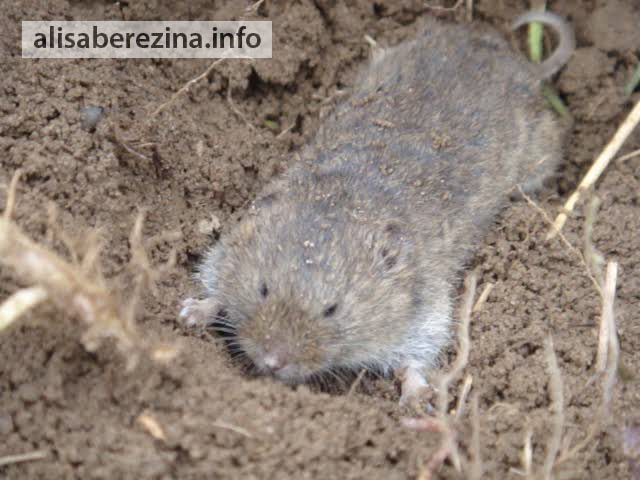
(198, 163)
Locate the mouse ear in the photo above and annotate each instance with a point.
(392, 247)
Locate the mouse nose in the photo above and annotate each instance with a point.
(274, 361)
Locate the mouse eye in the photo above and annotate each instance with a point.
(264, 291)
(389, 261)
(330, 310)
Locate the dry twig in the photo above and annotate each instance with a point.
(356, 382)
(237, 111)
(526, 456)
(464, 345)
(483, 297)
(151, 425)
(19, 303)
(445, 9)
(23, 457)
(233, 428)
(607, 324)
(77, 286)
(564, 239)
(469, 11)
(607, 359)
(593, 257)
(628, 156)
(442, 423)
(63, 283)
(462, 397)
(253, 8)
(475, 468)
(187, 86)
(557, 407)
(597, 168)
(145, 273)
(609, 336)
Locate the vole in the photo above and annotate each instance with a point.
(349, 259)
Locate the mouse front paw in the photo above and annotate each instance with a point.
(197, 312)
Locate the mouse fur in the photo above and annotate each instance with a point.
(350, 259)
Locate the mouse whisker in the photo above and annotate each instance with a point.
(227, 330)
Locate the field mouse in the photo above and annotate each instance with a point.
(349, 260)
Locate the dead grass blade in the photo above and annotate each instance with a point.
(75, 286)
(597, 168)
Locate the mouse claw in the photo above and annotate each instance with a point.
(197, 312)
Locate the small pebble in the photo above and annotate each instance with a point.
(91, 116)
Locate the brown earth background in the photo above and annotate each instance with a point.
(196, 165)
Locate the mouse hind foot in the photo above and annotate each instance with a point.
(413, 386)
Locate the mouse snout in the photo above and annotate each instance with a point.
(274, 361)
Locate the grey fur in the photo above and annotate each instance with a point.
(383, 210)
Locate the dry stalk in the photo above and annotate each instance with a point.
(140, 264)
(464, 345)
(558, 451)
(253, 8)
(614, 347)
(23, 457)
(286, 130)
(604, 338)
(88, 245)
(19, 303)
(151, 425)
(597, 168)
(469, 11)
(75, 286)
(593, 257)
(475, 467)
(609, 336)
(187, 86)
(449, 444)
(372, 43)
(356, 383)
(483, 297)
(564, 239)
(237, 111)
(445, 9)
(526, 457)
(527, 452)
(462, 398)
(607, 355)
(442, 423)
(250, 10)
(233, 428)
(557, 407)
(55, 231)
(628, 156)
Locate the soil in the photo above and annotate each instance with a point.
(196, 165)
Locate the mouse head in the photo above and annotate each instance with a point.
(307, 289)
